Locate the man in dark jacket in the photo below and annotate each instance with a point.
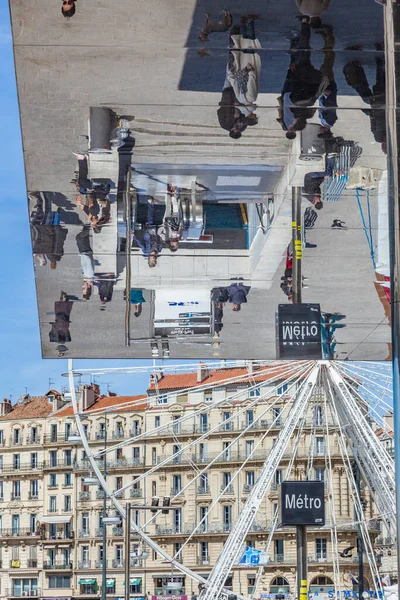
(49, 240)
(237, 294)
(312, 189)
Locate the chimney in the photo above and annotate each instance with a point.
(156, 377)
(388, 419)
(202, 372)
(5, 407)
(87, 397)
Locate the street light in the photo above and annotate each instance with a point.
(111, 520)
(90, 481)
(74, 439)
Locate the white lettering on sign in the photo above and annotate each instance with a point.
(189, 303)
(301, 331)
(293, 501)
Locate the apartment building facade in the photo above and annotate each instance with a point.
(51, 525)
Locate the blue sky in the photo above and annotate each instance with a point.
(21, 364)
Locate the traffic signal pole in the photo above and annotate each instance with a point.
(301, 541)
(297, 245)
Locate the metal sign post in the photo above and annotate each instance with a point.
(302, 503)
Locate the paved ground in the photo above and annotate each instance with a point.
(142, 61)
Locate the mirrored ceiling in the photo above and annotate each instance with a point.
(206, 179)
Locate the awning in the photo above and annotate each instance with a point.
(56, 519)
(110, 582)
(87, 581)
(135, 581)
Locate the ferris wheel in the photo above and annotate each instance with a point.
(347, 402)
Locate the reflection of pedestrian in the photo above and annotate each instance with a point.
(313, 9)
(171, 229)
(59, 332)
(68, 8)
(214, 27)
(219, 296)
(87, 262)
(105, 284)
(357, 79)
(151, 244)
(49, 240)
(237, 295)
(137, 299)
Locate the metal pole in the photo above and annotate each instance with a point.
(297, 245)
(392, 67)
(127, 549)
(104, 563)
(128, 221)
(360, 540)
(301, 539)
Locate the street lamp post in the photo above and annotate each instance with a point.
(127, 550)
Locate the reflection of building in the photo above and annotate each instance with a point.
(51, 524)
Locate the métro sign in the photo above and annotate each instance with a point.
(302, 503)
(299, 331)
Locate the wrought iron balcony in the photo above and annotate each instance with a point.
(84, 496)
(117, 531)
(58, 566)
(99, 532)
(100, 494)
(18, 532)
(84, 533)
(19, 593)
(117, 564)
(99, 564)
(84, 564)
(32, 563)
(203, 489)
(228, 490)
(136, 493)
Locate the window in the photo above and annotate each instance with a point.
(53, 458)
(135, 586)
(135, 427)
(176, 483)
(34, 460)
(320, 446)
(226, 480)
(251, 582)
(157, 421)
(17, 436)
(177, 459)
(249, 447)
(52, 503)
(118, 483)
(203, 422)
(177, 516)
(320, 474)
(204, 556)
(17, 461)
(32, 524)
(16, 493)
(1, 490)
(66, 557)
(208, 397)
(226, 426)
(162, 399)
(34, 488)
(52, 531)
(277, 417)
(250, 478)
(154, 456)
(119, 429)
(24, 587)
(34, 435)
(227, 451)
(67, 504)
(255, 392)
(119, 554)
(15, 525)
(1, 437)
(136, 454)
(275, 510)
(53, 433)
(249, 417)
(68, 458)
(178, 551)
(118, 453)
(53, 480)
(102, 431)
(227, 517)
(278, 477)
(282, 389)
(203, 487)
(154, 488)
(85, 523)
(318, 416)
(85, 556)
(67, 480)
(1, 462)
(203, 519)
(278, 550)
(321, 549)
(176, 424)
(67, 431)
(202, 452)
(68, 531)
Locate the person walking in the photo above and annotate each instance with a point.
(59, 332)
(87, 261)
(151, 245)
(171, 229)
(237, 295)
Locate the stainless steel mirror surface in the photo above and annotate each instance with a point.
(191, 167)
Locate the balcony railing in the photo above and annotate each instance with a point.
(175, 491)
(84, 496)
(385, 541)
(100, 494)
(84, 564)
(161, 530)
(203, 560)
(32, 440)
(18, 532)
(118, 434)
(136, 493)
(32, 563)
(203, 489)
(33, 495)
(57, 464)
(136, 431)
(14, 593)
(117, 564)
(117, 531)
(248, 487)
(59, 535)
(136, 563)
(53, 509)
(99, 532)
(52, 486)
(99, 564)
(16, 496)
(58, 438)
(120, 463)
(100, 435)
(84, 533)
(58, 566)
(227, 489)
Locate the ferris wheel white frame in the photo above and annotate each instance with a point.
(342, 396)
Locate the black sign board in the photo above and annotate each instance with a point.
(299, 331)
(302, 503)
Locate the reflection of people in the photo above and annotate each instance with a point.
(356, 78)
(49, 240)
(137, 299)
(59, 332)
(151, 245)
(219, 296)
(87, 262)
(171, 229)
(237, 106)
(214, 27)
(105, 284)
(237, 295)
(68, 8)
(313, 9)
